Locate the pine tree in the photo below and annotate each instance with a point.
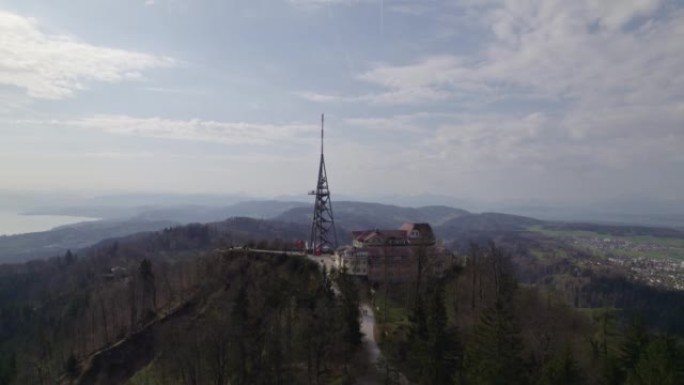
(351, 327)
(604, 347)
(440, 348)
(71, 366)
(495, 355)
(561, 370)
(636, 341)
(662, 363)
(240, 328)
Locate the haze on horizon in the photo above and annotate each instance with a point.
(550, 101)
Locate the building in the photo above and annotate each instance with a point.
(394, 255)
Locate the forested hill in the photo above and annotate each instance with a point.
(44, 244)
(179, 306)
(54, 313)
(364, 215)
(119, 222)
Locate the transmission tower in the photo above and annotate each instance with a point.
(323, 234)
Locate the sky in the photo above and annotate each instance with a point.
(536, 101)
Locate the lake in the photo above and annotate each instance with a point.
(15, 223)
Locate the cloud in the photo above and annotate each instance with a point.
(234, 133)
(317, 97)
(172, 90)
(53, 66)
(326, 2)
(414, 123)
(392, 97)
(580, 51)
(118, 155)
(611, 72)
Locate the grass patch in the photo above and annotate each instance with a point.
(389, 312)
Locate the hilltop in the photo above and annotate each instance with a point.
(156, 307)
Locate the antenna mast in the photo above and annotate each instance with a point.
(323, 233)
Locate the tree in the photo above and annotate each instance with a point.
(8, 369)
(604, 346)
(351, 327)
(562, 369)
(69, 258)
(149, 289)
(240, 328)
(71, 366)
(636, 341)
(435, 350)
(495, 355)
(662, 363)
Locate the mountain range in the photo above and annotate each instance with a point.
(450, 224)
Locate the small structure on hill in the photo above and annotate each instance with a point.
(394, 255)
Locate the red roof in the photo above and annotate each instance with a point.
(383, 235)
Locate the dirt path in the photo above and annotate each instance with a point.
(378, 371)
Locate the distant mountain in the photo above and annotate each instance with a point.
(24, 247)
(364, 215)
(473, 224)
(450, 224)
(122, 206)
(200, 213)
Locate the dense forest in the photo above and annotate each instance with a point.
(479, 325)
(190, 305)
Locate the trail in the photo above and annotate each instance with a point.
(378, 370)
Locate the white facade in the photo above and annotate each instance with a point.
(352, 261)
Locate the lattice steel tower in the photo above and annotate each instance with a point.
(323, 234)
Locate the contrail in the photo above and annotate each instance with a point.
(382, 16)
(349, 61)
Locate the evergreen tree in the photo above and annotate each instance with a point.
(636, 341)
(440, 349)
(148, 286)
(350, 310)
(71, 366)
(561, 370)
(240, 328)
(661, 363)
(604, 347)
(8, 369)
(495, 355)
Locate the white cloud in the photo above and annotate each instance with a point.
(196, 130)
(625, 52)
(392, 97)
(326, 2)
(51, 66)
(318, 97)
(611, 69)
(118, 155)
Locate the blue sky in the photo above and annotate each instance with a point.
(549, 101)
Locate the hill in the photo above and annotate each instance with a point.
(203, 213)
(157, 307)
(485, 223)
(30, 246)
(365, 215)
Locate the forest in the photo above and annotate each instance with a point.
(480, 325)
(179, 306)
